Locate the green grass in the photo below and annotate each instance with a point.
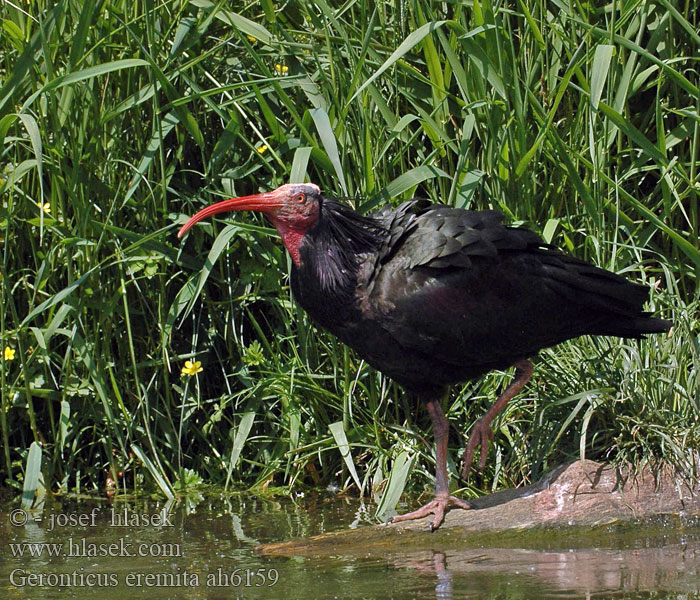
(125, 117)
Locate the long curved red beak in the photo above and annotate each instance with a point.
(262, 202)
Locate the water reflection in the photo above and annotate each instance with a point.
(574, 573)
(443, 587)
(215, 539)
(432, 563)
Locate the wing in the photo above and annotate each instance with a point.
(441, 236)
(462, 288)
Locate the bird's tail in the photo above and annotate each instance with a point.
(634, 327)
(613, 303)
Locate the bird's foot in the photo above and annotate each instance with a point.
(480, 436)
(437, 507)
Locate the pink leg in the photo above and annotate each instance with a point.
(482, 433)
(443, 500)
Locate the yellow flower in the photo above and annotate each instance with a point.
(9, 353)
(46, 207)
(281, 69)
(262, 149)
(251, 39)
(192, 368)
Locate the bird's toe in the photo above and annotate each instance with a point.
(437, 507)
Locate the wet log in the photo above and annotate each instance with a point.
(582, 495)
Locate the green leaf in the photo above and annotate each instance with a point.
(15, 82)
(64, 422)
(411, 40)
(179, 105)
(167, 123)
(14, 32)
(412, 178)
(432, 60)
(483, 63)
(38, 334)
(81, 32)
(56, 298)
(404, 182)
(689, 249)
(633, 133)
(338, 432)
(159, 478)
(32, 471)
(599, 71)
(32, 128)
(251, 28)
(219, 245)
(84, 351)
(676, 76)
(89, 73)
(533, 25)
(550, 229)
(469, 185)
(583, 398)
(688, 27)
(325, 132)
(184, 30)
(398, 475)
(239, 440)
(299, 164)
(578, 56)
(184, 298)
(5, 123)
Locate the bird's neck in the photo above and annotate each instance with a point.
(331, 252)
(292, 238)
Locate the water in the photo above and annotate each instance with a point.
(206, 548)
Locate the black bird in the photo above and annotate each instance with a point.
(432, 296)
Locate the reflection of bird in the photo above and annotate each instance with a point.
(432, 295)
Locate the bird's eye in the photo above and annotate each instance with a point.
(300, 198)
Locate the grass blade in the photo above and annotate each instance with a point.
(403, 183)
(219, 245)
(248, 27)
(32, 488)
(599, 72)
(408, 44)
(64, 424)
(56, 298)
(168, 122)
(89, 73)
(338, 432)
(401, 467)
(158, 477)
(297, 173)
(325, 132)
(239, 440)
(561, 88)
(32, 128)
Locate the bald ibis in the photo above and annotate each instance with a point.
(432, 296)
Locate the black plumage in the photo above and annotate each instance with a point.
(432, 295)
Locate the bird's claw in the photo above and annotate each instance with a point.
(437, 507)
(480, 436)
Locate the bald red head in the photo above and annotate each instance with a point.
(292, 208)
